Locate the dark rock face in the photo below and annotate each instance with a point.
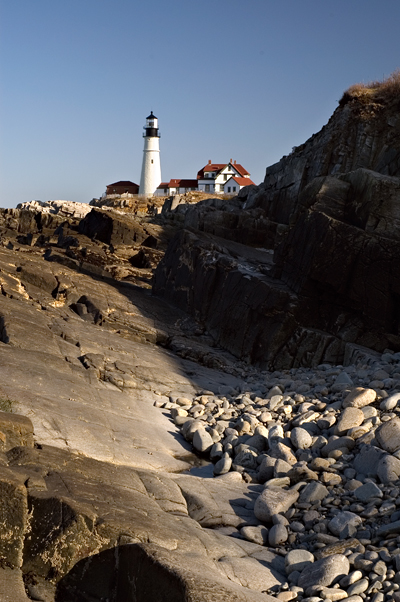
(111, 229)
(330, 212)
(222, 286)
(353, 138)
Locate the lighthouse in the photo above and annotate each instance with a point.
(151, 168)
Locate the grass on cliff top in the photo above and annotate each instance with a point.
(379, 91)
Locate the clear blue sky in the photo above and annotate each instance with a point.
(226, 79)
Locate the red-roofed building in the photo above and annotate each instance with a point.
(176, 186)
(213, 176)
(234, 184)
(122, 187)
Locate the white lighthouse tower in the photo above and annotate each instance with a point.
(151, 168)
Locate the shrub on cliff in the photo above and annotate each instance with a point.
(377, 91)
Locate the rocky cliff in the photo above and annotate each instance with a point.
(327, 216)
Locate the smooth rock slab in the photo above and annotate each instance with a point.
(250, 573)
(274, 500)
(324, 572)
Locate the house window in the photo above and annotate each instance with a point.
(229, 188)
(225, 177)
(221, 188)
(207, 187)
(234, 189)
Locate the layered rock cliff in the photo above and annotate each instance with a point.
(328, 214)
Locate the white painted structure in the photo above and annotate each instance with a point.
(236, 183)
(213, 176)
(176, 186)
(151, 167)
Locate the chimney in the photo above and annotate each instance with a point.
(209, 161)
(230, 160)
(234, 162)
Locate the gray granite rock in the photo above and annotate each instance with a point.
(367, 491)
(324, 572)
(300, 438)
(367, 460)
(266, 469)
(390, 402)
(277, 536)
(281, 451)
(359, 587)
(388, 469)
(359, 397)
(274, 500)
(313, 492)
(349, 418)
(297, 560)
(344, 524)
(202, 440)
(257, 534)
(223, 465)
(388, 435)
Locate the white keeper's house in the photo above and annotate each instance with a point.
(214, 177)
(222, 178)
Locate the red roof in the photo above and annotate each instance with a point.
(179, 183)
(240, 169)
(217, 167)
(214, 167)
(241, 181)
(123, 183)
(163, 185)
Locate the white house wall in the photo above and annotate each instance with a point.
(231, 184)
